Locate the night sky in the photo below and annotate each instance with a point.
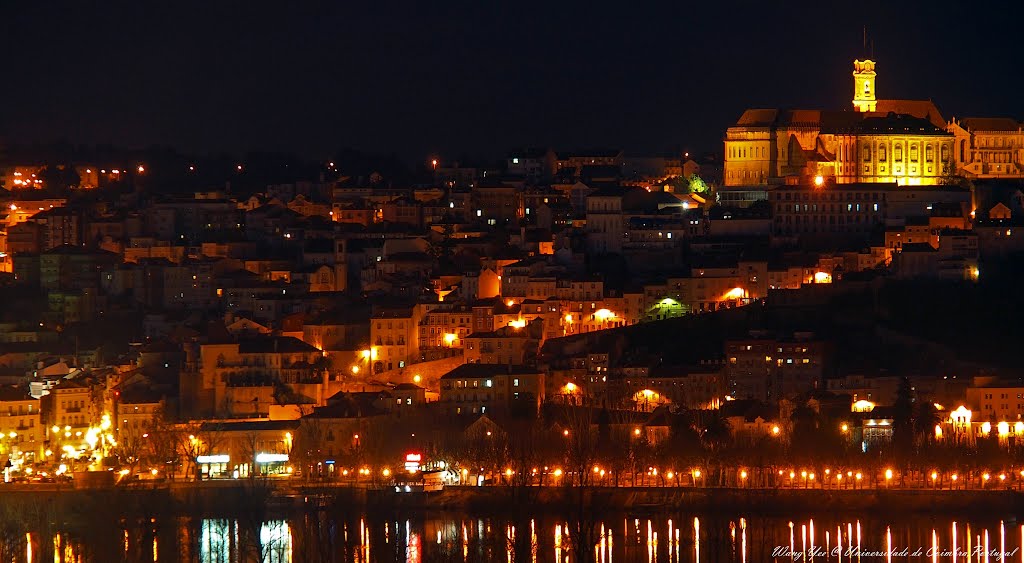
(477, 77)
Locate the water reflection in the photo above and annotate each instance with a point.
(361, 538)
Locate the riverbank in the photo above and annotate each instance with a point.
(231, 496)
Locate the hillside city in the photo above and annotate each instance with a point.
(833, 291)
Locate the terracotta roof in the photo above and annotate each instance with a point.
(924, 109)
(758, 117)
(990, 124)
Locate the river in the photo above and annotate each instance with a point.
(666, 536)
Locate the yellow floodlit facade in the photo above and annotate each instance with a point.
(880, 141)
(864, 85)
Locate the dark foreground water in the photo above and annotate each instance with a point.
(667, 536)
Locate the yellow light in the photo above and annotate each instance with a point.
(670, 475)
(508, 473)
(858, 476)
(636, 431)
(596, 469)
(55, 429)
(845, 427)
(290, 470)
(819, 180)
(154, 471)
(954, 477)
(888, 474)
(1003, 428)
(822, 277)
(565, 432)
(568, 318)
(416, 378)
(1018, 427)
(938, 431)
(366, 354)
(518, 323)
(1002, 476)
(570, 387)
(862, 406)
(386, 472)
(558, 473)
(510, 303)
(985, 476)
(986, 428)
(734, 293)
(961, 415)
(603, 314)
(935, 475)
(355, 369)
(792, 475)
(776, 430)
(141, 169)
(839, 476)
(803, 474)
(696, 473)
(449, 338)
(743, 474)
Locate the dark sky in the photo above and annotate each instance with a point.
(481, 76)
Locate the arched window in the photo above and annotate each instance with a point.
(963, 149)
(881, 152)
(867, 153)
(897, 150)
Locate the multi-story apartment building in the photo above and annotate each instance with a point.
(244, 377)
(506, 345)
(474, 389)
(21, 425)
(394, 338)
(769, 369)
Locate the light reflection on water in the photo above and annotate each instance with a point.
(362, 538)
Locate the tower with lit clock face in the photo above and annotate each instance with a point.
(864, 85)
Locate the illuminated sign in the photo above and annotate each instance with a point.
(271, 458)
(212, 458)
(412, 462)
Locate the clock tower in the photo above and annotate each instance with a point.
(864, 85)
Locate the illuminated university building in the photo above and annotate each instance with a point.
(906, 142)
